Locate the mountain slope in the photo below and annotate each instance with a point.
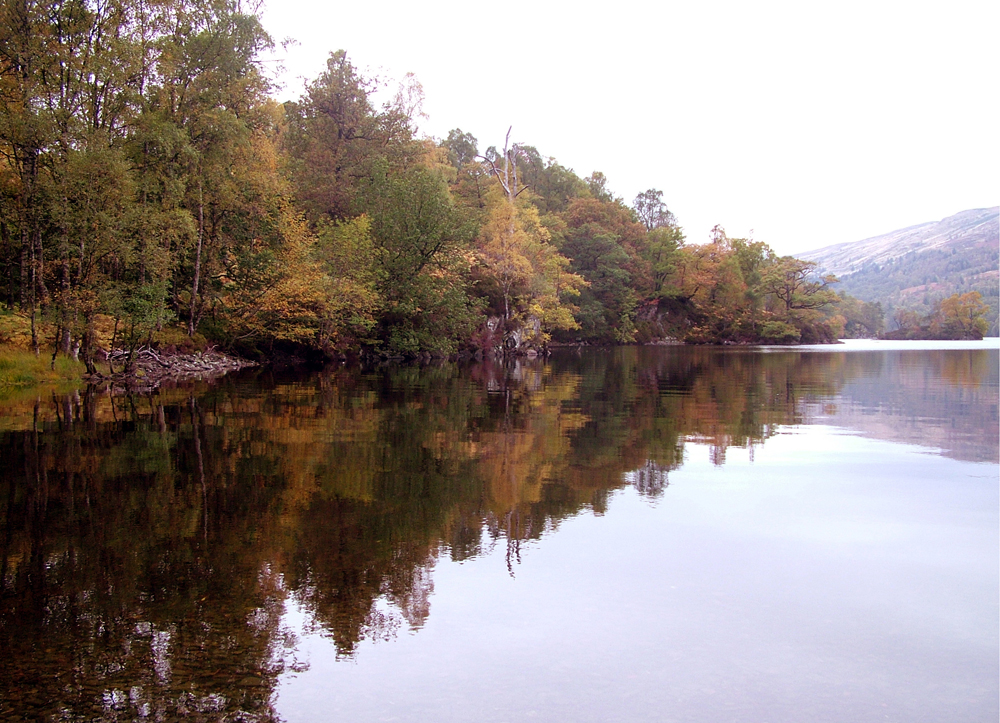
(914, 267)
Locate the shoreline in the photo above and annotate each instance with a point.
(149, 369)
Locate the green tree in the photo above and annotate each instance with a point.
(652, 211)
(862, 319)
(606, 245)
(68, 81)
(346, 254)
(793, 283)
(462, 148)
(336, 136)
(421, 244)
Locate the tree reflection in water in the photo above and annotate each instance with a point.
(151, 544)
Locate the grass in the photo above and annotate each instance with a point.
(20, 369)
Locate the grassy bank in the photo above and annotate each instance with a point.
(21, 369)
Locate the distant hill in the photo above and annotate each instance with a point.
(915, 266)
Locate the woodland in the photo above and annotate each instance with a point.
(914, 284)
(153, 193)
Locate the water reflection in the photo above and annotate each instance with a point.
(150, 544)
(942, 399)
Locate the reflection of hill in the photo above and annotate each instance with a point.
(940, 399)
(161, 535)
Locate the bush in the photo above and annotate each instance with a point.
(779, 332)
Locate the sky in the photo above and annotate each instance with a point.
(802, 124)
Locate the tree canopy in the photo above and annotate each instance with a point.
(148, 179)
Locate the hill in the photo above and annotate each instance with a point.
(913, 267)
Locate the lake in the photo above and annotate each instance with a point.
(633, 534)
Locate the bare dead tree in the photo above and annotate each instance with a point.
(507, 177)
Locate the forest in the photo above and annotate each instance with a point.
(152, 192)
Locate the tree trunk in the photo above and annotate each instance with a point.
(26, 264)
(64, 343)
(197, 261)
(87, 344)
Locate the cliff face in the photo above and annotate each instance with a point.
(916, 266)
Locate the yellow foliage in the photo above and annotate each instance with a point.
(515, 250)
(961, 315)
(285, 309)
(15, 330)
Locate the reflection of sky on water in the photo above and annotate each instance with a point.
(851, 345)
(843, 568)
(638, 533)
(833, 577)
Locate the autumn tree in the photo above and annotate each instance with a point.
(502, 245)
(960, 316)
(515, 254)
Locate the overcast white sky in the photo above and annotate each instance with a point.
(808, 123)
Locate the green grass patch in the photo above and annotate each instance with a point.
(20, 369)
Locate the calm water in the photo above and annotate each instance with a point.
(655, 534)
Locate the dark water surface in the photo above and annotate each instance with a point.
(652, 534)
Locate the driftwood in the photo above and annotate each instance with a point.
(150, 368)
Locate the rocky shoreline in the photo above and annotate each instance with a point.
(148, 369)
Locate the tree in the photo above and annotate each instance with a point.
(661, 253)
(608, 249)
(862, 319)
(336, 135)
(515, 253)
(502, 253)
(906, 319)
(793, 282)
(346, 254)
(597, 182)
(213, 88)
(960, 316)
(652, 211)
(413, 223)
(95, 223)
(533, 278)
(421, 243)
(462, 148)
(608, 304)
(67, 81)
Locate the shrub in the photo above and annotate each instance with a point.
(779, 332)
